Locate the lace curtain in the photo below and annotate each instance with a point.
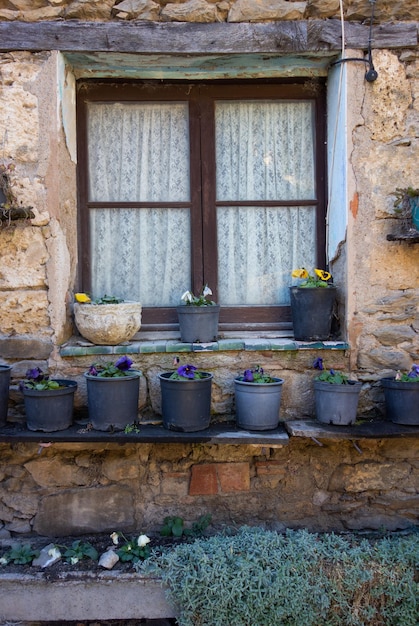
(264, 151)
(140, 152)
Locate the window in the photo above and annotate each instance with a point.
(184, 184)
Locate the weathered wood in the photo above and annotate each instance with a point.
(288, 37)
(400, 35)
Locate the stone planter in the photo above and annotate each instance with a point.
(336, 404)
(186, 404)
(108, 324)
(198, 323)
(402, 401)
(4, 392)
(312, 310)
(112, 402)
(50, 410)
(257, 404)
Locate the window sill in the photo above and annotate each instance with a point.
(80, 347)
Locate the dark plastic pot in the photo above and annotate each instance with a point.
(198, 323)
(402, 401)
(51, 409)
(257, 404)
(112, 402)
(336, 404)
(186, 404)
(4, 392)
(312, 311)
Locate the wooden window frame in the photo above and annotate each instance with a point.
(202, 97)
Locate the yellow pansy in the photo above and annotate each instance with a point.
(82, 297)
(322, 274)
(300, 273)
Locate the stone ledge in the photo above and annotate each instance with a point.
(77, 347)
(365, 430)
(83, 596)
(222, 433)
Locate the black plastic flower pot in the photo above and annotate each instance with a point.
(4, 392)
(257, 404)
(49, 410)
(312, 312)
(198, 324)
(186, 404)
(112, 402)
(336, 404)
(401, 401)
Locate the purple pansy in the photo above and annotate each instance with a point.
(123, 363)
(35, 374)
(318, 363)
(187, 371)
(248, 376)
(414, 372)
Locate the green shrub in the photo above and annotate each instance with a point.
(262, 578)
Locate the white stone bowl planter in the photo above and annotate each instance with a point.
(108, 324)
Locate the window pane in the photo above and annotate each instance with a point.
(265, 150)
(258, 247)
(138, 152)
(135, 254)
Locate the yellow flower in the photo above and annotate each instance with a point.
(322, 274)
(300, 273)
(82, 297)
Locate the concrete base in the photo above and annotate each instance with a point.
(82, 596)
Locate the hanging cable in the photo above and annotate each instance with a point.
(335, 132)
(371, 74)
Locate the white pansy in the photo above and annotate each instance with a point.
(206, 291)
(115, 538)
(143, 540)
(55, 553)
(187, 296)
(3, 561)
(74, 560)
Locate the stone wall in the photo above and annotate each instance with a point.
(203, 10)
(63, 488)
(83, 488)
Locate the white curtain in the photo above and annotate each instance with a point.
(140, 152)
(264, 151)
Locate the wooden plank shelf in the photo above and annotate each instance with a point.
(360, 430)
(221, 433)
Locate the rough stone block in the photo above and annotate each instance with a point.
(24, 312)
(81, 511)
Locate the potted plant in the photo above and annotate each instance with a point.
(407, 204)
(186, 399)
(336, 396)
(198, 317)
(258, 398)
(112, 394)
(106, 321)
(48, 402)
(4, 392)
(401, 395)
(312, 304)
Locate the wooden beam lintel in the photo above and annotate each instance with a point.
(287, 37)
